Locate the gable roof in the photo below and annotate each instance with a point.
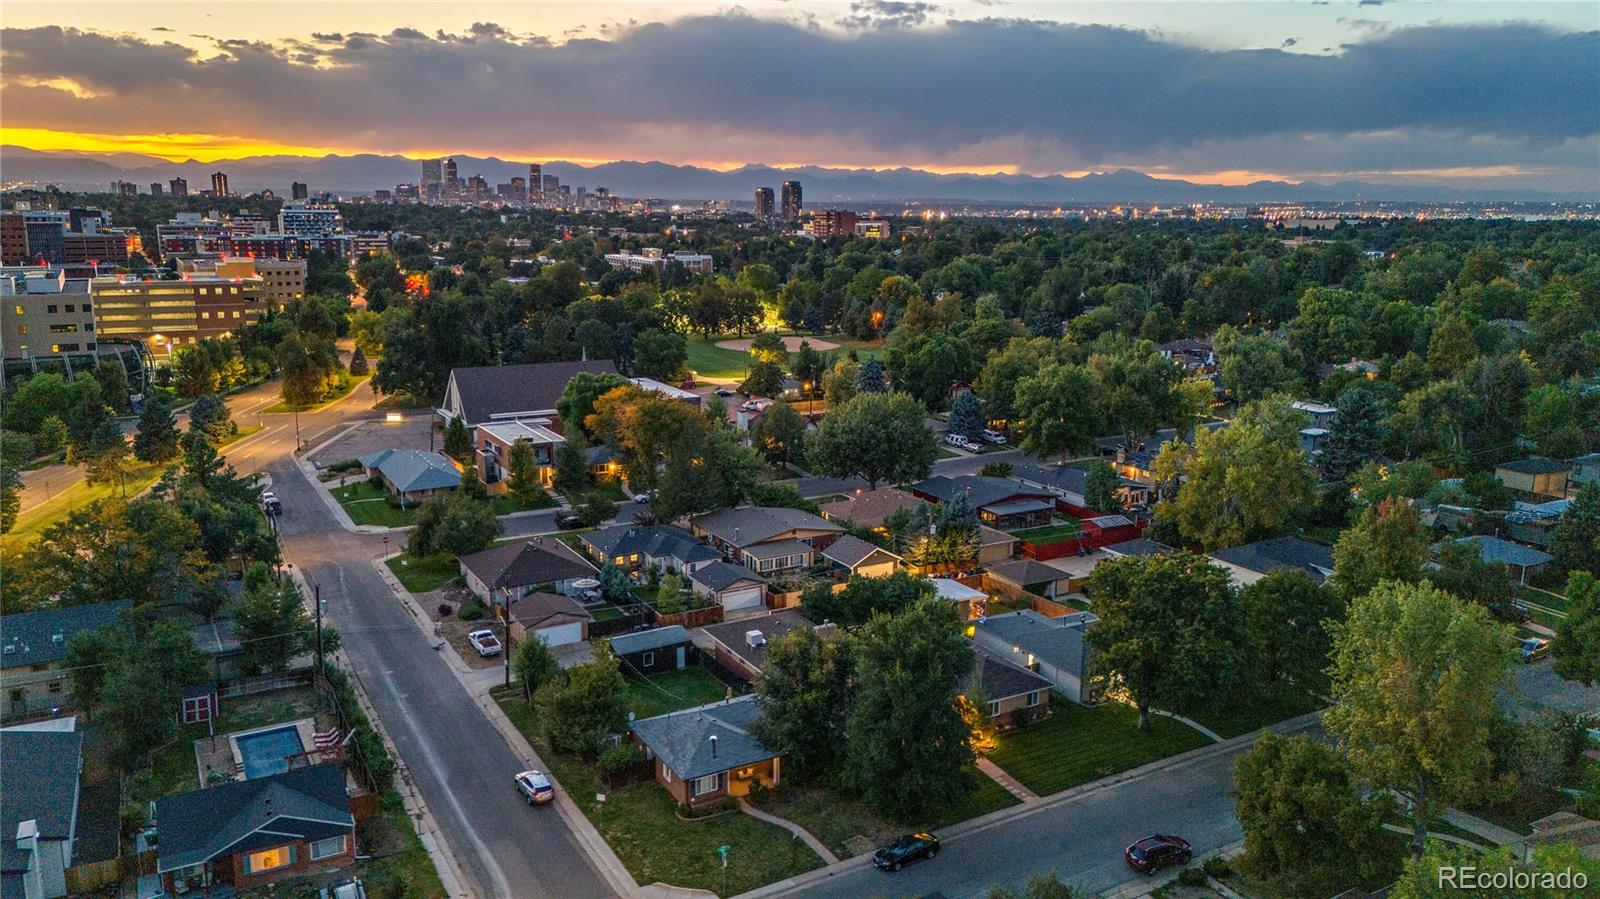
(1503, 552)
(954, 591)
(869, 508)
(749, 525)
(1023, 572)
(1140, 548)
(979, 490)
(1536, 465)
(487, 392)
(1058, 642)
(719, 576)
(1060, 477)
(850, 551)
(683, 740)
(999, 679)
(1267, 556)
(654, 638)
(731, 634)
(37, 638)
(656, 541)
(414, 469)
(526, 562)
(203, 824)
(542, 609)
(41, 785)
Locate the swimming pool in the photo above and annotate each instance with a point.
(266, 752)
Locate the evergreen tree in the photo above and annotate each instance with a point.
(523, 481)
(10, 494)
(1101, 486)
(457, 442)
(1576, 540)
(106, 456)
(572, 465)
(871, 377)
(210, 417)
(358, 363)
(157, 437)
(966, 415)
(1355, 436)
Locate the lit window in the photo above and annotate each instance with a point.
(703, 785)
(269, 860)
(994, 708)
(327, 848)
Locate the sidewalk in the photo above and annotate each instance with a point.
(1013, 786)
(816, 845)
(1494, 833)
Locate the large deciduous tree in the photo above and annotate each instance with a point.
(1386, 543)
(1057, 412)
(778, 434)
(1416, 679)
(804, 692)
(1576, 540)
(1286, 617)
(1243, 482)
(877, 436)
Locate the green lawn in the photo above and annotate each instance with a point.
(711, 361)
(238, 435)
(1051, 533)
(1076, 745)
(505, 503)
(282, 406)
(682, 689)
(61, 504)
(403, 401)
(835, 818)
(639, 822)
(424, 574)
(405, 868)
(367, 504)
(610, 488)
(1244, 717)
(946, 452)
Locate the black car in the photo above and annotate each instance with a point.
(907, 849)
(1156, 852)
(568, 522)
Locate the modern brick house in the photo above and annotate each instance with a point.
(707, 753)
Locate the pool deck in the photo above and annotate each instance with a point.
(220, 755)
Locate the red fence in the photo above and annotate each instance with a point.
(1088, 542)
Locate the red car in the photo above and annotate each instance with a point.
(1156, 852)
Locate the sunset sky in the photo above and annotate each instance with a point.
(1480, 94)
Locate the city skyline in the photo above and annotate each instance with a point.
(1494, 95)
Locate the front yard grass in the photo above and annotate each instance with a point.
(367, 504)
(1244, 717)
(685, 688)
(426, 573)
(1076, 745)
(640, 823)
(404, 868)
(1050, 533)
(505, 503)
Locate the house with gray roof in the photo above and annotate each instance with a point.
(249, 833)
(855, 557)
(766, 539)
(1536, 476)
(1523, 560)
(1012, 695)
(706, 753)
(655, 650)
(489, 393)
(1142, 548)
(740, 647)
(999, 502)
(1056, 649)
(32, 645)
(663, 547)
(412, 474)
(734, 587)
(1253, 561)
(510, 570)
(39, 811)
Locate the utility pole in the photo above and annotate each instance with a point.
(316, 594)
(507, 621)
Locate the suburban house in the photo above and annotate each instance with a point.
(994, 545)
(734, 587)
(38, 810)
(32, 645)
(556, 619)
(1320, 414)
(1029, 576)
(1585, 470)
(1142, 548)
(412, 474)
(248, 833)
(1193, 353)
(854, 557)
(869, 508)
(494, 440)
(1054, 648)
(1253, 561)
(677, 393)
(490, 393)
(740, 647)
(657, 650)
(512, 569)
(969, 600)
(706, 753)
(1535, 523)
(1134, 463)
(1522, 560)
(631, 547)
(766, 539)
(1012, 694)
(1536, 476)
(999, 502)
(1069, 483)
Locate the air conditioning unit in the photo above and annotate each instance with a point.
(755, 638)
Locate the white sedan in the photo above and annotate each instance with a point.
(485, 642)
(536, 786)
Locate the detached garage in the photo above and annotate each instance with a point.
(557, 620)
(731, 586)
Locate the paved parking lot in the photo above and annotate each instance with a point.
(377, 434)
(1539, 688)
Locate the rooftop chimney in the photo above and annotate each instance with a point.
(713, 749)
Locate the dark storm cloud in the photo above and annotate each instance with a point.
(889, 13)
(1052, 96)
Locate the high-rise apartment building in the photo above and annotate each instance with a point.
(157, 188)
(298, 190)
(180, 187)
(309, 218)
(791, 201)
(219, 184)
(763, 202)
(826, 223)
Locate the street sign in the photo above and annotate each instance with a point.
(723, 851)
